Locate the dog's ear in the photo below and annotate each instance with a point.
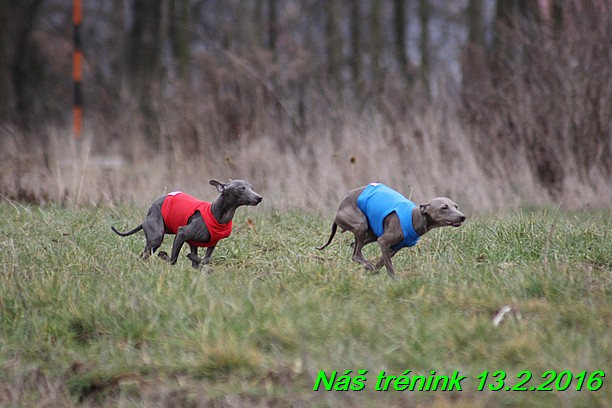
(219, 185)
(423, 208)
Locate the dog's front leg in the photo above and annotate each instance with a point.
(208, 255)
(381, 261)
(385, 248)
(196, 261)
(179, 240)
(193, 256)
(392, 235)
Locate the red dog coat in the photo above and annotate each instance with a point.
(178, 207)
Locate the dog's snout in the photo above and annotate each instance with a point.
(462, 218)
(255, 199)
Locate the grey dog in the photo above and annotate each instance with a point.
(199, 223)
(377, 213)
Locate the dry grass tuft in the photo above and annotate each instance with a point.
(424, 158)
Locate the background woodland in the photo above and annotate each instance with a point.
(497, 104)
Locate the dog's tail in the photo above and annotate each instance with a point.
(125, 234)
(333, 232)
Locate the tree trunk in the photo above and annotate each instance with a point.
(355, 43)
(5, 78)
(24, 66)
(272, 25)
(145, 44)
(333, 42)
(145, 47)
(474, 64)
(180, 36)
(424, 43)
(557, 14)
(502, 47)
(400, 38)
(376, 43)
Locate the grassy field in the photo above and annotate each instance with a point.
(84, 321)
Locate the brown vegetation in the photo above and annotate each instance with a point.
(308, 101)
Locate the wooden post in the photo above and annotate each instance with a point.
(77, 62)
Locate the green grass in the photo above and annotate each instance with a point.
(83, 320)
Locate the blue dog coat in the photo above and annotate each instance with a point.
(377, 201)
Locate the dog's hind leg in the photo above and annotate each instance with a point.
(361, 239)
(350, 218)
(152, 245)
(153, 227)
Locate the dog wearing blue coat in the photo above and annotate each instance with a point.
(378, 213)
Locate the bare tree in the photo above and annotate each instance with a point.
(424, 16)
(5, 79)
(144, 59)
(272, 24)
(180, 35)
(474, 62)
(376, 43)
(23, 66)
(557, 14)
(355, 62)
(333, 41)
(400, 24)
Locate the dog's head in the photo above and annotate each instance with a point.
(239, 192)
(441, 212)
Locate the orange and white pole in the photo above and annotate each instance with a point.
(77, 63)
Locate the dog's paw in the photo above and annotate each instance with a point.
(194, 258)
(369, 267)
(163, 255)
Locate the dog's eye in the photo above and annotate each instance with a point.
(445, 207)
(242, 187)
